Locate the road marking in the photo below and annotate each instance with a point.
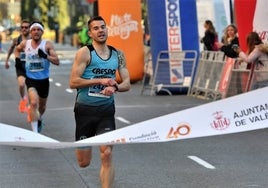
(50, 80)
(122, 120)
(69, 90)
(58, 84)
(201, 162)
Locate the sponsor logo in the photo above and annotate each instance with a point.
(104, 71)
(120, 140)
(220, 122)
(145, 137)
(263, 35)
(122, 26)
(183, 129)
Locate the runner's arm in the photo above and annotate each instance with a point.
(52, 55)
(10, 51)
(19, 48)
(123, 73)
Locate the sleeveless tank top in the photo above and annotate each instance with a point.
(36, 67)
(98, 68)
(22, 54)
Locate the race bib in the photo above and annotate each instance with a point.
(94, 91)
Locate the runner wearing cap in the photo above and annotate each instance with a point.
(39, 54)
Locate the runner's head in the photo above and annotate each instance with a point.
(25, 27)
(97, 29)
(36, 30)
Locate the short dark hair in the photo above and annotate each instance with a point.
(25, 21)
(95, 18)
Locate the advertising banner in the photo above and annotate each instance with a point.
(173, 27)
(260, 21)
(226, 76)
(231, 115)
(123, 19)
(251, 16)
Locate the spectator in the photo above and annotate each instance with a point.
(83, 37)
(211, 37)
(229, 39)
(255, 56)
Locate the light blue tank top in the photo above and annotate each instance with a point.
(36, 67)
(98, 68)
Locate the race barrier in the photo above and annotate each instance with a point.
(218, 77)
(231, 115)
(166, 76)
(208, 75)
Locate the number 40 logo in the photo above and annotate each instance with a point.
(182, 130)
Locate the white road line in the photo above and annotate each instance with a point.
(50, 80)
(122, 120)
(201, 162)
(69, 90)
(58, 84)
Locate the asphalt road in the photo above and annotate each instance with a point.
(229, 161)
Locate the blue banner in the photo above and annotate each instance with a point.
(173, 26)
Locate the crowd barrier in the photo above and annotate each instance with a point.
(208, 74)
(219, 77)
(160, 79)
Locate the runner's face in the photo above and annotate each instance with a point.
(25, 29)
(36, 33)
(98, 31)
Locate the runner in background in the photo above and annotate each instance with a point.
(20, 67)
(39, 54)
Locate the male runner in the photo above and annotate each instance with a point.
(20, 67)
(93, 75)
(39, 54)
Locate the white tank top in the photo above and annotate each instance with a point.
(36, 67)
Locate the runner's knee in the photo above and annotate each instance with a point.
(106, 155)
(83, 157)
(83, 163)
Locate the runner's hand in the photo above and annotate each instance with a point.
(108, 82)
(6, 65)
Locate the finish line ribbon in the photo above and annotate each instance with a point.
(244, 112)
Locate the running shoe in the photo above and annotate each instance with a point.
(40, 125)
(23, 106)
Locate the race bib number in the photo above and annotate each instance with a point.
(94, 91)
(36, 65)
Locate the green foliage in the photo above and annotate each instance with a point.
(49, 12)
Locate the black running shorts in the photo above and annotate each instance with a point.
(41, 86)
(93, 120)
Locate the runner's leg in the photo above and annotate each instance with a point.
(83, 157)
(107, 168)
(34, 114)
